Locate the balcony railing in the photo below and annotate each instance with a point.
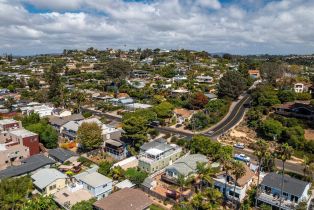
(275, 201)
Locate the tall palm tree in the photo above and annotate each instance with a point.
(183, 182)
(261, 151)
(204, 173)
(284, 153)
(225, 158)
(238, 171)
(306, 169)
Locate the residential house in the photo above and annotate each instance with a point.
(135, 106)
(49, 180)
(185, 166)
(300, 87)
(69, 129)
(296, 109)
(204, 79)
(294, 191)
(242, 184)
(139, 74)
(115, 148)
(9, 124)
(157, 154)
(97, 184)
(70, 195)
(61, 112)
(28, 166)
(182, 115)
(179, 78)
(211, 96)
(42, 110)
(179, 92)
(254, 73)
(24, 137)
(60, 155)
(12, 153)
(58, 122)
(124, 199)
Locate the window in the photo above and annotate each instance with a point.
(104, 186)
(285, 194)
(52, 187)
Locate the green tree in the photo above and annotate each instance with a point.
(47, 134)
(33, 83)
(54, 81)
(11, 88)
(271, 128)
(163, 110)
(14, 192)
(135, 176)
(41, 203)
(283, 153)
(78, 97)
(199, 121)
(271, 71)
(9, 102)
(135, 124)
(231, 85)
(204, 172)
(89, 135)
(84, 205)
(104, 168)
(117, 69)
(286, 96)
(29, 119)
(304, 96)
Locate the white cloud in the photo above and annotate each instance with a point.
(214, 4)
(285, 26)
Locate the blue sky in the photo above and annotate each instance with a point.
(234, 26)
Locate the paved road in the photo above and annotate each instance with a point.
(234, 117)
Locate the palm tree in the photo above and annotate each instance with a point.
(183, 182)
(204, 173)
(238, 171)
(306, 169)
(284, 153)
(261, 151)
(224, 156)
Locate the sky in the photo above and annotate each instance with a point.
(232, 26)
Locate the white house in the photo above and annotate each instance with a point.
(242, 184)
(204, 79)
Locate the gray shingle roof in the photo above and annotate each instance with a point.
(61, 154)
(291, 185)
(46, 176)
(187, 164)
(29, 165)
(63, 120)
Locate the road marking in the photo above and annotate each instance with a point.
(233, 117)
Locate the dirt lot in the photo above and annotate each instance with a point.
(309, 134)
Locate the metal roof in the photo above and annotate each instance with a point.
(291, 185)
(28, 165)
(46, 176)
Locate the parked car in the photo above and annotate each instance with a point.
(242, 157)
(239, 145)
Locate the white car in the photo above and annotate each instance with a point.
(239, 145)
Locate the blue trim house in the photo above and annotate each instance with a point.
(294, 191)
